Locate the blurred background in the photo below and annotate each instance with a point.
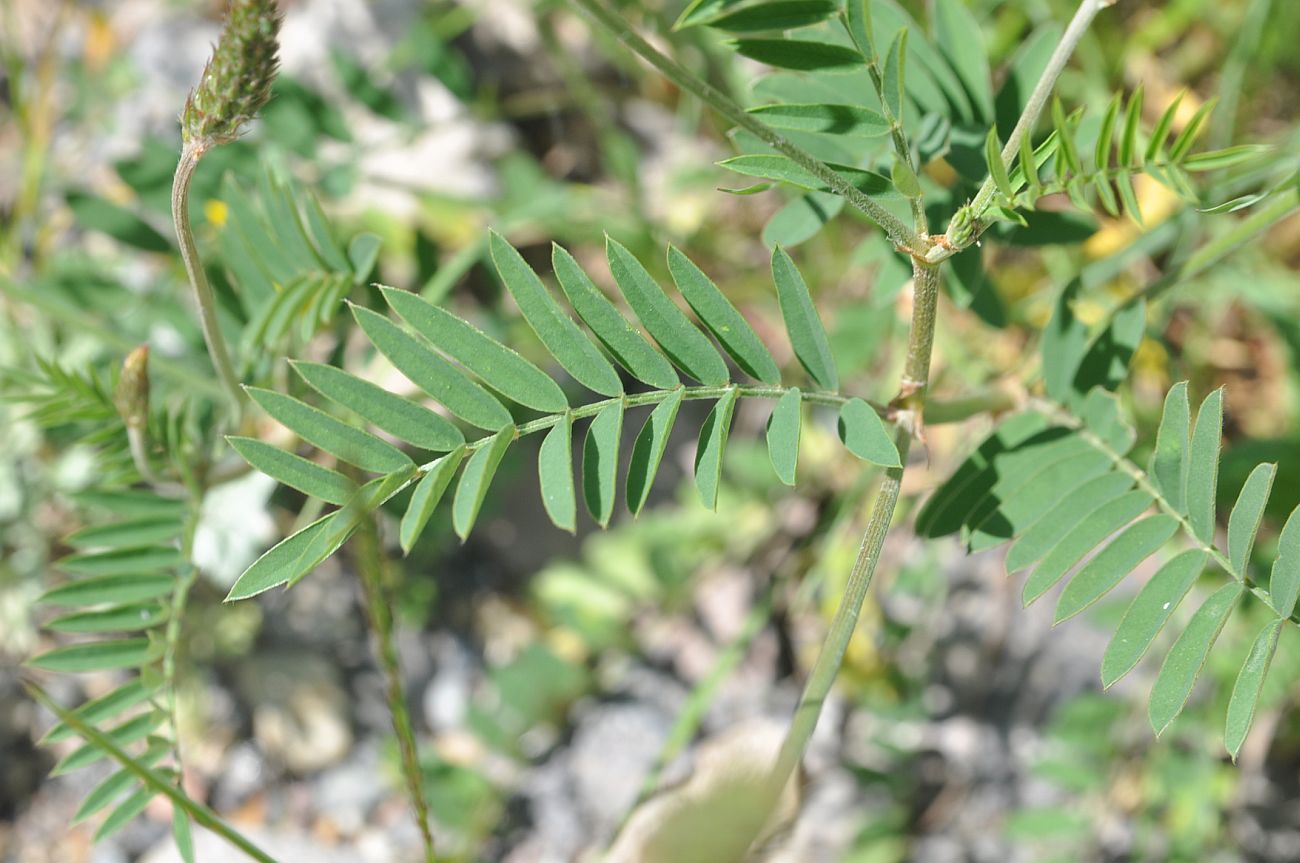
(554, 677)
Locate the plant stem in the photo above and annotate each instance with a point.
(201, 814)
(831, 656)
(1083, 16)
(379, 614)
(915, 381)
(899, 233)
(207, 304)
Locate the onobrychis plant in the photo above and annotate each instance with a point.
(910, 138)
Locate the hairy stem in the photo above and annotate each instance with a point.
(379, 615)
(831, 656)
(207, 303)
(1083, 16)
(898, 232)
(916, 376)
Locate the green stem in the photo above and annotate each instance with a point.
(899, 233)
(831, 656)
(379, 614)
(915, 381)
(1083, 16)
(199, 280)
(202, 815)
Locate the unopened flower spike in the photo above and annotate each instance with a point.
(236, 82)
(131, 395)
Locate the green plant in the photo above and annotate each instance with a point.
(842, 121)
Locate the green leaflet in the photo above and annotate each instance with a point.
(495, 364)
(783, 169)
(858, 23)
(432, 373)
(350, 445)
(1225, 158)
(1162, 127)
(129, 694)
(688, 348)
(99, 656)
(1106, 136)
(717, 313)
(1040, 492)
(777, 15)
(555, 475)
(894, 84)
(556, 330)
(123, 561)
(1168, 468)
(614, 331)
(181, 834)
(124, 813)
(146, 530)
(962, 44)
(1100, 575)
(807, 335)
(474, 481)
(783, 430)
(117, 618)
(648, 450)
(1186, 658)
(400, 417)
(1100, 413)
(948, 507)
(105, 792)
(1247, 512)
(1128, 149)
(1010, 472)
(122, 587)
(136, 728)
(799, 54)
(1094, 528)
(1203, 467)
(849, 121)
(1245, 692)
(1284, 583)
(361, 505)
(997, 169)
(293, 470)
(865, 435)
(280, 563)
(131, 502)
(428, 491)
(1148, 613)
(712, 443)
(600, 462)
